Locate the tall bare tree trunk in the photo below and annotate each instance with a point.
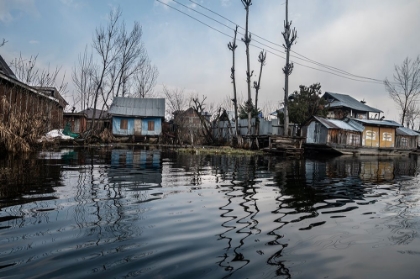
(232, 46)
(257, 86)
(247, 40)
(289, 38)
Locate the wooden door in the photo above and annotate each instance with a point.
(137, 127)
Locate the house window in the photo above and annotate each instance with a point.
(354, 139)
(124, 124)
(370, 135)
(150, 125)
(386, 136)
(404, 142)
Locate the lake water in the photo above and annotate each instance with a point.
(134, 213)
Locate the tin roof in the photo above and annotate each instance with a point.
(342, 100)
(145, 107)
(53, 92)
(5, 69)
(376, 122)
(98, 113)
(338, 124)
(403, 131)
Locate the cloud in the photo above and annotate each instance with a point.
(226, 3)
(163, 3)
(12, 10)
(72, 3)
(33, 42)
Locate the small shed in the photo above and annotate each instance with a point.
(406, 138)
(76, 120)
(101, 118)
(137, 116)
(318, 130)
(378, 133)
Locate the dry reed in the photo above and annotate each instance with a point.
(19, 131)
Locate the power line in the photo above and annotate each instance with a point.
(194, 18)
(235, 23)
(316, 69)
(308, 59)
(342, 73)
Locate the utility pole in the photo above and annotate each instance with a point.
(289, 38)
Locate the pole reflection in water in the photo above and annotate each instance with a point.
(93, 213)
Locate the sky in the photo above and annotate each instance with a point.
(362, 37)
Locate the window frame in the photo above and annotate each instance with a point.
(124, 124)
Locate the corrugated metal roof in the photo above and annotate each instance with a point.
(337, 124)
(342, 100)
(145, 107)
(5, 69)
(376, 122)
(358, 126)
(91, 113)
(403, 131)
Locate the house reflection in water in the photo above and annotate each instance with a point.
(362, 169)
(135, 167)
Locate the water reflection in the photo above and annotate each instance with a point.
(240, 210)
(134, 212)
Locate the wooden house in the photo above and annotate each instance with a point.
(342, 106)
(323, 131)
(137, 116)
(363, 136)
(45, 103)
(406, 138)
(189, 127)
(378, 133)
(102, 118)
(77, 121)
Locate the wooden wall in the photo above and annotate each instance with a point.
(22, 99)
(378, 136)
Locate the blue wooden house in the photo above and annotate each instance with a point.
(137, 116)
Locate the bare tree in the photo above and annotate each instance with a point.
(145, 80)
(105, 43)
(200, 109)
(83, 80)
(405, 89)
(257, 84)
(131, 58)
(413, 113)
(290, 37)
(232, 46)
(119, 66)
(175, 100)
(247, 40)
(28, 72)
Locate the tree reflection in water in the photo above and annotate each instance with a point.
(112, 212)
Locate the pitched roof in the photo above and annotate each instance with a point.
(338, 124)
(53, 92)
(91, 113)
(342, 100)
(5, 69)
(403, 131)
(139, 107)
(376, 122)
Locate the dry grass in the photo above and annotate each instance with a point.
(19, 131)
(106, 136)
